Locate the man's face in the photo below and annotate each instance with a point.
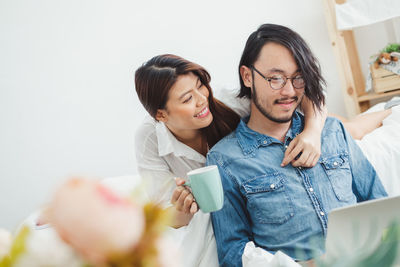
(277, 105)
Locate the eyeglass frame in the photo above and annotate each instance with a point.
(269, 79)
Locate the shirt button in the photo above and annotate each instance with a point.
(272, 186)
(265, 142)
(311, 189)
(322, 213)
(300, 168)
(335, 163)
(285, 146)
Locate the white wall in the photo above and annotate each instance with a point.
(67, 100)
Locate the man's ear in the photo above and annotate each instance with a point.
(162, 115)
(247, 78)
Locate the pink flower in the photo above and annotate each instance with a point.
(95, 221)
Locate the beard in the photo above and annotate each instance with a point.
(269, 115)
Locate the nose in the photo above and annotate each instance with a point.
(288, 89)
(201, 98)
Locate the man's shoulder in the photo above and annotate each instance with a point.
(333, 125)
(227, 147)
(228, 141)
(332, 121)
(333, 138)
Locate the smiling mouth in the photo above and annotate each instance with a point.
(204, 112)
(286, 102)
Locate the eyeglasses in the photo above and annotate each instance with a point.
(278, 81)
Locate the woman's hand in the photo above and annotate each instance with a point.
(183, 199)
(304, 150)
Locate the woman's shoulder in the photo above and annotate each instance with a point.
(147, 125)
(146, 131)
(241, 105)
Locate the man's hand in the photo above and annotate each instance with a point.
(304, 150)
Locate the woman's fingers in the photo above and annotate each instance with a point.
(176, 194)
(187, 203)
(179, 181)
(303, 151)
(310, 160)
(183, 199)
(291, 153)
(301, 160)
(315, 160)
(194, 208)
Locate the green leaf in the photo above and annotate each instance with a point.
(392, 48)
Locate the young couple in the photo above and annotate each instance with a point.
(278, 73)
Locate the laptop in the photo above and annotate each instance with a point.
(361, 226)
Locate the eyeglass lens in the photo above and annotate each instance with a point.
(278, 81)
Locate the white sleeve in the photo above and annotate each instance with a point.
(241, 105)
(156, 175)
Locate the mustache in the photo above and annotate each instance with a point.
(294, 98)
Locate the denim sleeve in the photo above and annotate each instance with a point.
(231, 225)
(366, 182)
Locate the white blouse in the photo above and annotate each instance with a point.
(160, 158)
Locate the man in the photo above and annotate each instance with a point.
(283, 208)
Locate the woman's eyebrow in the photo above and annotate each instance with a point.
(188, 91)
(185, 93)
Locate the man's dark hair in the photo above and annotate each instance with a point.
(305, 60)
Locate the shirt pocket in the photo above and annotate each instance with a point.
(268, 200)
(337, 168)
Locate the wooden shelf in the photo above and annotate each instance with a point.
(353, 82)
(372, 95)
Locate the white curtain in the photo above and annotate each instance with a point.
(356, 13)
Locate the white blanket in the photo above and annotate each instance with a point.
(382, 148)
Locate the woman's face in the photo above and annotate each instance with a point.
(187, 106)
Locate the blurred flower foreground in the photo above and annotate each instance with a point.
(90, 225)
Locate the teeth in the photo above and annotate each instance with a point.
(204, 111)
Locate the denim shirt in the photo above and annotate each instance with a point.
(285, 208)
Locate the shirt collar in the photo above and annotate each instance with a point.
(167, 144)
(249, 140)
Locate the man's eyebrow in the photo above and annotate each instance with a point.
(282, 71)
(276, 70)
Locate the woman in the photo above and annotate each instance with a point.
(186, 121)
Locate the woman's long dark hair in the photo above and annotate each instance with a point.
(305, 60)
(154, 80)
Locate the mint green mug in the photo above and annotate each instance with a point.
(206, 188)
